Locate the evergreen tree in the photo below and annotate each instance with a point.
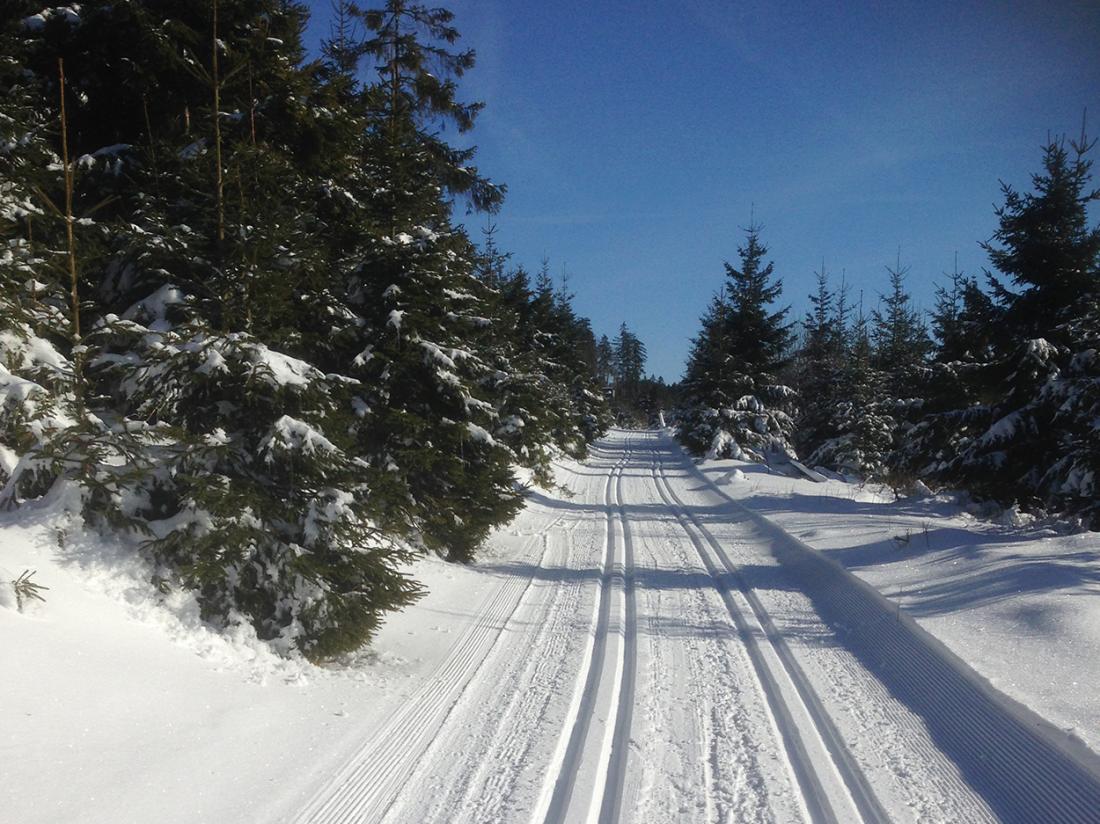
(54, 236)
(947, 326)
(628, 357)
(901, 340)
(734, 403)
(420, 344)
(1044, 245)
(964, 322)
(236, 319)
(901, 348)
(1069, 404)
(258, 501)
(862, 430)
(820, 365)
(1022, 432)
(231, 461)
(706, 360)
(573, 356)
(557, 402)
(36, 377)
(605, 359)
(407, 42)
(528, 404)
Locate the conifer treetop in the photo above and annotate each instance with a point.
(1044, 243)
(416, 93)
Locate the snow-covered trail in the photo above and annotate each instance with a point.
(641, 645)
(659, 652)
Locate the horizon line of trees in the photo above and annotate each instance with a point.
(998, 393)
(636, 399)
(239, 321)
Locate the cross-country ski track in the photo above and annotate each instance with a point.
(658, 652)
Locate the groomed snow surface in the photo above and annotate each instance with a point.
(654, 641)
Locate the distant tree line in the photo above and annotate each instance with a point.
(999, 394)
(238, 319)
(636, 400)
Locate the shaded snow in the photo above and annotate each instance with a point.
(1019, 601)
(479, 434)
(36, 22)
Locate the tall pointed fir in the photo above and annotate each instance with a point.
(862, 430)
(843, 425)
(628, 357)
(735, 405)
(1044, 245)
(964, 323)
(523, 396)
(702, 387)
(245, 490)
(604, 359)
(1028, 436)
(532, 400)
(421, 341)
(819, 364)
(568, 348)
(901, 349)
(55, 230)
(901, 341)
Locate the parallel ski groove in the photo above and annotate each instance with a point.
(735, 732)
(1024, 768)
(569, 764)
(494, 782)
(373, 777)
(611, 807)
(806, 772)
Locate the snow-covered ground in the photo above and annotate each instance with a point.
(650, 642)
(1020, 603)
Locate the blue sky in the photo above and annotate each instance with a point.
(637, 137)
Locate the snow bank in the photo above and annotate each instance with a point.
(121, 706)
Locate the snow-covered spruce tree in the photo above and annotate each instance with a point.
(734, 405)
(964, 323)
(1045, 247)
(901, 339)
(1026, 437)
(842, 422)
(423, 331)
(862, 432)
(1071, 403)
(703, 392)
(570, 348)
(52, 432)
(528, 403)
(36, 380)
(820, 364)
(246, 486)
(591, 412)
(256, 501)
(605, 356)
(628, 357)
(523, 394)
(552, 385)
(275, 515)
(901, 349)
